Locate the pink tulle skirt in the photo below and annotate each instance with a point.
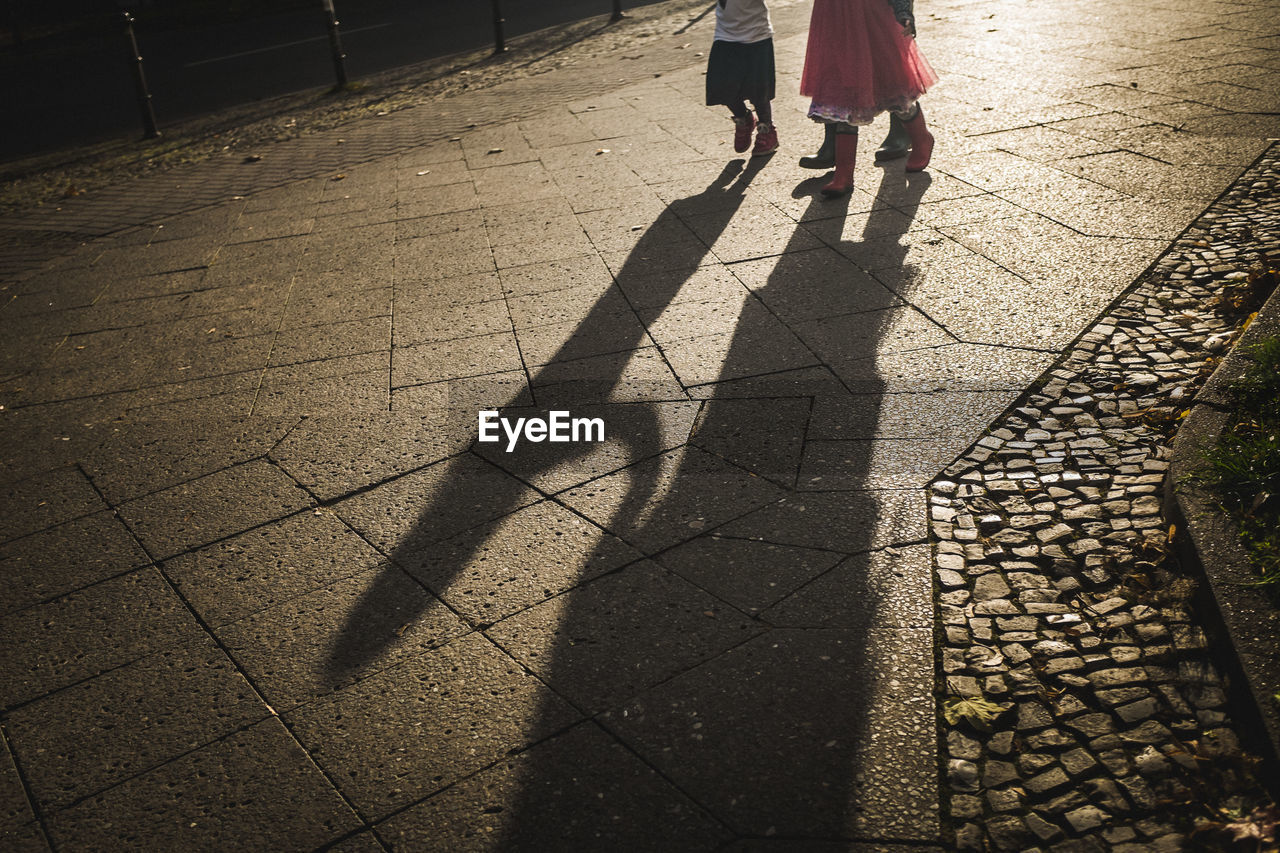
(860, 63)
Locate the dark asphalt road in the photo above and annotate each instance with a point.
(59, 96)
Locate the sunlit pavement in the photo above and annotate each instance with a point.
(265, 587)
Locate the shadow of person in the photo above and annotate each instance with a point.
(485, 483)
(768, 669)
(721, 618)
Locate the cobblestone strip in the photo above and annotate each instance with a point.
(1082, 710)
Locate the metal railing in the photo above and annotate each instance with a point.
(147, 110)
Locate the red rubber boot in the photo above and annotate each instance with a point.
(841, 183)
(921, 143)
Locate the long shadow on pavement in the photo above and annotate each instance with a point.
(460, 505)
(718, 621)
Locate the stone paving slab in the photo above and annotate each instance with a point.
(155, 709)
(259, 384)
(479, 704)
(600, 794)
(91, 631)
(282, 801)
(806, 721)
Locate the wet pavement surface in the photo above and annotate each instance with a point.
(267, 587)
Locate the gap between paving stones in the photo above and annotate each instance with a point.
(1059, 601)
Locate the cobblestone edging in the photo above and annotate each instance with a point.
(1056, 601)
(1244, 617)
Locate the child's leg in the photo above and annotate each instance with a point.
(764, 111)
(841, 183)
(896, 143)
(745, 124)
(921, 139)
(825, 157)
(767, 135)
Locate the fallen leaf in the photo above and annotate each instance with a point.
(977, 712)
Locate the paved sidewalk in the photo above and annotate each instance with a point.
(264, 588)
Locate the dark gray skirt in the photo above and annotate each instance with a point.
(740, 72)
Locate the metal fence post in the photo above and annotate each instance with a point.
(499, 41)
(335, 45)
(15, 22)
(149, 130)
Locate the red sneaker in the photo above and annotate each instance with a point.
(742, 132)
(766, 140)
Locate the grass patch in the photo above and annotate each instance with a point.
(1245, 465)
